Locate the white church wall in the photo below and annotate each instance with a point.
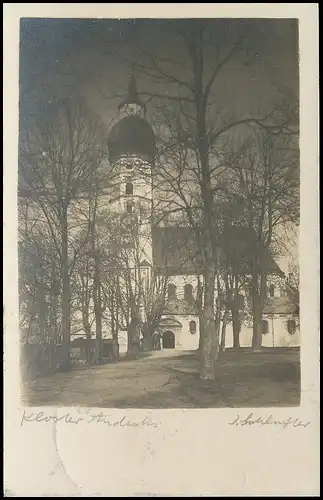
(185, 339)
(245, 336)
(277, 336)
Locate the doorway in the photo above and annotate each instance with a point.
(168, 340)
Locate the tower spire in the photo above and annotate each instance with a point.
(132, 96)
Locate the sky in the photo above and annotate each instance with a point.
(92, 58)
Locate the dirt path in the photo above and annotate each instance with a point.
(105, 384)
(170, 380)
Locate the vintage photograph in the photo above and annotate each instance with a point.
(158, 212)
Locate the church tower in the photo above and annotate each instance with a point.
(131, 143)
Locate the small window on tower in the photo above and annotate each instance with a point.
(129, 188)
(129, 166)
(272, 291)
(129, 207)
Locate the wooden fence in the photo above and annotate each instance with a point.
(44, 359)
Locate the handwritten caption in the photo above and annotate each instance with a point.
(251, 420)
(92, 418)
(102, 418)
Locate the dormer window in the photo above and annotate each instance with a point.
(129, 188)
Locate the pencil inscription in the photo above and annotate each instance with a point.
(251, 420)
(98, 418)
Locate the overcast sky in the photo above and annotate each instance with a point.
(87, 57)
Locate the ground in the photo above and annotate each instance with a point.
(169, 379)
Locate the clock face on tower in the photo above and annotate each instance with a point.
(129, 110)
(134, 110)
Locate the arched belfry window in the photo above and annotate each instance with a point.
(171, 291)
(188, 293)
(129, 188)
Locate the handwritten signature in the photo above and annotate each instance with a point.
(99, 418)
(270, 420)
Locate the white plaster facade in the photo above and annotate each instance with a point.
(277, 336)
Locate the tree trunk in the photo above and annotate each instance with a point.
(98, 332)
(88, 350)
(207, 369)
(87, 328)
(235, 326)
(115, 350)
(97, 299)
(217, 327)
(66, 299)
(199, 303)
(115, 340)
(133, 339)
(149, 338)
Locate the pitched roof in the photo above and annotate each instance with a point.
(175, 250)
(280, 305)
(181, 307)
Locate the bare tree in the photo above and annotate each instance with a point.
(201, 125)
(268, 181)
(59, 154)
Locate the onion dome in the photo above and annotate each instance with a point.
(132, 134)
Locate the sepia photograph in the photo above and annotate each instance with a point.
(159, 212)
